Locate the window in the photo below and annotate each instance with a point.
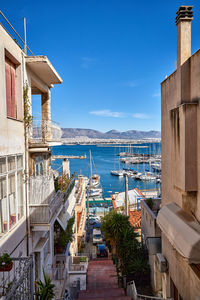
(11, 191)
(10, 88)
(3, 206)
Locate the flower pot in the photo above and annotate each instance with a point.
(59, 249)
(6, 268)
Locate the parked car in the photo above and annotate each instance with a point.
(96, 236)
(94, 221)
(97, 225)
(102, 251)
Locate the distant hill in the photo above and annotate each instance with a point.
(112, 134)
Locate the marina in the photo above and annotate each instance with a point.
(105, 158)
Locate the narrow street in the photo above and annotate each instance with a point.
(102, 282)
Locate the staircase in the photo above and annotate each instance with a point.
(102, 282)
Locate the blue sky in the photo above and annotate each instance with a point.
(111, 54)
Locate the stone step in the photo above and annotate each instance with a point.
(102, 292)
(101, 262)
(107, 298)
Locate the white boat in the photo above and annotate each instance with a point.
(117, 172)
(95, 180)
(95, 192)
(147, 177)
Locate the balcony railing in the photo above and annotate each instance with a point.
(44, 201)
(42, 131)
(78, 264)
(18, 282)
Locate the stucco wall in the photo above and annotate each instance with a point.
(186, 280)
(180, 95)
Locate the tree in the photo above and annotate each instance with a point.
(118, 231)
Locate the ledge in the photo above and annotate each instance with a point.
(182, 231)
(42, 67)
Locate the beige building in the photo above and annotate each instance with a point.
(29, 204)
(179, 216)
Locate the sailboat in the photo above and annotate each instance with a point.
(94, 182)
(118, 172)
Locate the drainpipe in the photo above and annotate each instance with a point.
(26, 171)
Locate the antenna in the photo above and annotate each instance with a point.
(25, 44)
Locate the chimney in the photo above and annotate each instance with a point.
(183, 23)
(65, 166)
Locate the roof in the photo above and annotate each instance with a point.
(41, 66)
(182, 230)
(134, 195)
(135, 218)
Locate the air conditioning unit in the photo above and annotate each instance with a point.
(162, 263)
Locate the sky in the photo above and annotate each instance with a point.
(111, 54)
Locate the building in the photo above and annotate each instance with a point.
(179, 216)
(134, 198)
(29, 204)
(151, 238)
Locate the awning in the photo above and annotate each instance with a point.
(41, 244)
(63, 218)
(182, 230)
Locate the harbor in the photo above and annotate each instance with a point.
(107, 159)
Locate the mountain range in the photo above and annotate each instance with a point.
(112, 134)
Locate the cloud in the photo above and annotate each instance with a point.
(108, 113)
(131, 83)
(141, 116)
(86, 62)
(156, 94)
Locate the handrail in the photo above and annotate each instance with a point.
(132, 292)
(14, 32)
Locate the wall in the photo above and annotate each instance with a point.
(180, 94)
(12, 133)
(185, 277)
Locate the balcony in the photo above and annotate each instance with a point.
(78, 264)
(44, 133)
(44, 201)
(18, 282)
(149, 213)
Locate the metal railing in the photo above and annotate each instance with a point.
(78, 264)
(44, 130)
(69, 189)
(131, 291)
(43, 213)
(18, 282)
(19, 39)
(44, 201)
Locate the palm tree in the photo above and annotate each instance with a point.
(45, 289)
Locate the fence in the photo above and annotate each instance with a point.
(18, 282)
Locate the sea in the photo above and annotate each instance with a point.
(104, 159)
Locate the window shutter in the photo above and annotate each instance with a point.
(13, 102)
(8, 89)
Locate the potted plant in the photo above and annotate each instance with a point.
(45, 290)
(6, 263)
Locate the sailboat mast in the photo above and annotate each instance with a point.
(90, 164)
(126, 195)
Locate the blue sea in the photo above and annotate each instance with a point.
(106, 159)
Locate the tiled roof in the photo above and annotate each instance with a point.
(135, 218)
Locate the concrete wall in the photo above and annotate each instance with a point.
(149, 228)
(185, 277)
(12, 133)
(180, 94)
